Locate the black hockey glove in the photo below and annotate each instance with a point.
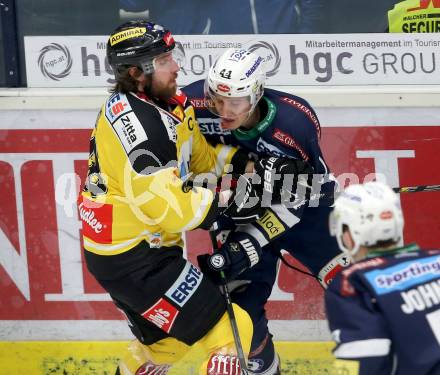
(237, 254)
(241, 199)
(283, 177)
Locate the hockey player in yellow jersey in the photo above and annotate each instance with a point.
(137, 201)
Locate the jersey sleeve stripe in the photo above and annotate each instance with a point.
(363, 348)
(115, 248)
(255, 232)
(285, 215)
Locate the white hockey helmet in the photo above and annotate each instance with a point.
(371, 212)
(237, 74)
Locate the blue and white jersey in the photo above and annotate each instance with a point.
(384, 312)
(290, 129)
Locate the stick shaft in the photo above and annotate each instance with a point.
(330, 195)
(229, 308)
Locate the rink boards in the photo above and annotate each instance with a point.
(55, 317)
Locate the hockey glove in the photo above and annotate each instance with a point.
(237, 254)
(241, 200)
(283, 177)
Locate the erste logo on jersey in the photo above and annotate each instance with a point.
(162, 314)
(116, 106)
(212, 126)
(185, 285)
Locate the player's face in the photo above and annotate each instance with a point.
(164, 84)
(232, 111)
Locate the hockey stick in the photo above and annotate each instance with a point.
(401, 189)
(229, 308)
(416, 189)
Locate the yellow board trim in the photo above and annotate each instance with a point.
(100, 358)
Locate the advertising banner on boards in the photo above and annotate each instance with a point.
(291, 59)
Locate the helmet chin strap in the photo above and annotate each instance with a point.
(352, 253)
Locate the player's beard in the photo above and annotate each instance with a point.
(164, 91)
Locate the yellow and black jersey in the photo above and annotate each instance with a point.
(141, 154)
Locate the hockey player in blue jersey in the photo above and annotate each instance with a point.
(384, 310)
(282, 130)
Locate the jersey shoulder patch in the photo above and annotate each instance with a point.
(404, 275)
(125, 123)
(116, 106)
(129, 130)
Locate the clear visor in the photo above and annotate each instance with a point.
(165, 62)
(228, 108)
